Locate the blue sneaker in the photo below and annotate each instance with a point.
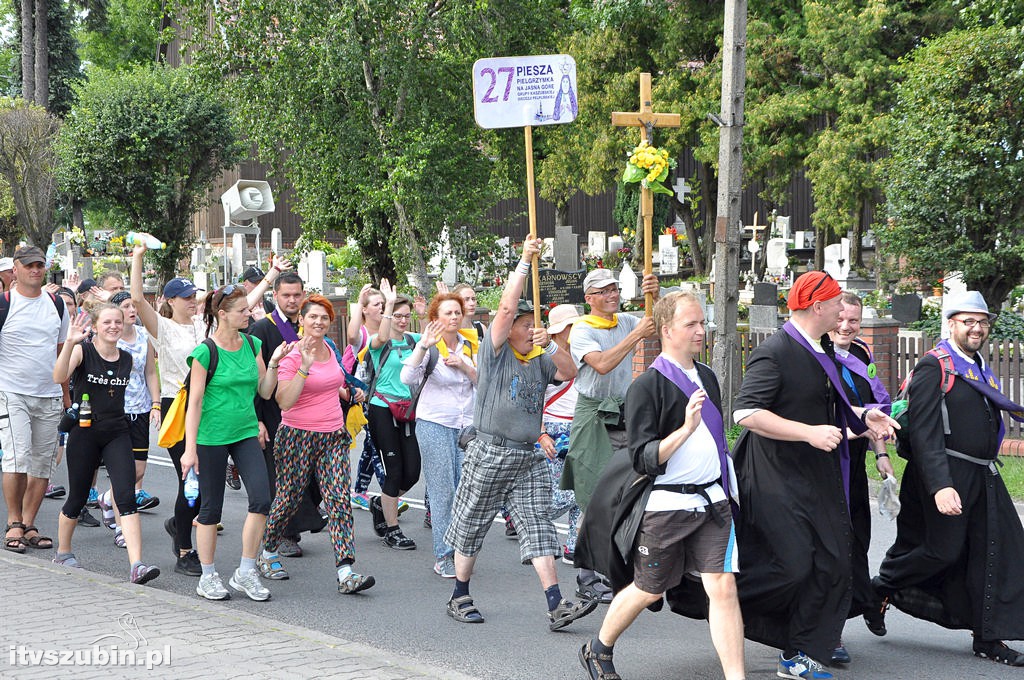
(802, 667)
(94, 499)
(361, 501)
(143, 501)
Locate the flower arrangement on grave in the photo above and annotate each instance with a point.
(649, 165)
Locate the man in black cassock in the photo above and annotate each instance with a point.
(863, 388)
(958, 558)
(793, 467)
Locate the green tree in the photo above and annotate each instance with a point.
(148, 141)
(366, 109)
(27, 160)
(125, 33)
(957, 162)
(53, 56)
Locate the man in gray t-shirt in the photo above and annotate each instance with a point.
(516, 363)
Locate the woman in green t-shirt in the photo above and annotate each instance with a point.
(221, 422)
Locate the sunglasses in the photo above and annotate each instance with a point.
(225, 292)
(826, 277)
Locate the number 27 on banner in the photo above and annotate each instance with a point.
(522, 91)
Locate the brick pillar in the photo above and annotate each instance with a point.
(338, 330)
(882, 335)
(646, 352)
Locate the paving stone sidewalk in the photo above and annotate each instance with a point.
(72, 623)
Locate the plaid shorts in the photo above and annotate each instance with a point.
(492, 475)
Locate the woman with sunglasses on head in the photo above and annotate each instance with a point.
(102, 371)
(395, 440)
(363, 323)
(313, 440)
(176, 331)
(220, 422)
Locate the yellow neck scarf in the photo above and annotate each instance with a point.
(535, 352)
(599, 322)
(467, 348)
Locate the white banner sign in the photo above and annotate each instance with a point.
(521, 91)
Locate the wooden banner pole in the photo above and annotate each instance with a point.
(532, 203)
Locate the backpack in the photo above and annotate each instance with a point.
(901, 405)
(5, 306)
(172, 429)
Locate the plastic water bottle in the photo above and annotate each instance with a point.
(68, 420)
(151, 242)
(85, 412)
(191, 487)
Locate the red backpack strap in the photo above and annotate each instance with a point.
(946, 364)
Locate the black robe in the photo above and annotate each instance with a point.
(860, 504)
(654, 408)
(965, 571)
(793, 530)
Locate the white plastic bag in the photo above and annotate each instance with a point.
(888, 498)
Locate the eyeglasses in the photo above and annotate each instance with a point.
(402, 317)
(605, 292)
(971, 323)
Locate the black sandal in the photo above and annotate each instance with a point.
(591, 662)
(37, 540)
(996, 650)
(15, 544)
(463, 610)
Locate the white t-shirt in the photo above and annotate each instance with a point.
(174, 343)
(136, 395)
(695, 462)
(28, 344)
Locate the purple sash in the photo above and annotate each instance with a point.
(987, 384)
(288, 333)
(709, 413)
(882, 399)
(845, 415)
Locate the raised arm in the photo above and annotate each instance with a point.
(384, 332)
(506, 314)
(70, 355)
(142, 306)
(355, 320)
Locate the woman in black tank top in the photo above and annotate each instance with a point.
(101, 370)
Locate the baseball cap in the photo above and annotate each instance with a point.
(179, 287)
(599, 278)
(252, 275)
(524, 307)
(86, 286)
(29, 255)
(118, 298)
(967, 301)
(6, 263)
(560, 317)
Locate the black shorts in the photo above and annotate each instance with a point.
(138, 430)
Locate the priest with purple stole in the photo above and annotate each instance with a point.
(793, 471)
(683, 518)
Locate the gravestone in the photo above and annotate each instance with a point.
(766, 294)
(668, 255)
(316, 269)
(629, 283)
(781, 227)
(906, 308)
(614, 243)
(567, 249)
(558, 287)
(597, 242)
(275, 241)
(237, 256)
(764, 317)
(776, 258)
(837, 260)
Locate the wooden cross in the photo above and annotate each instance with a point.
(647, 120)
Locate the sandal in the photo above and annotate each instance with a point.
(591, 662)
(38, 541)
(16, 544)
(566, 612)
(354, 583)
(996, 650)
(594, 589)
(463, 610)
(118, 538)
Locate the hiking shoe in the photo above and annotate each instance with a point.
(143, 501)
(250, 585)
(354, 583)
(380, 525)
(289, 547)
(510, 528)
(361, 500)
(68, 561)
(188, 564)
(271, 568)
(397, 540)
(402, 506)
(566, 612)
(54, 491)
(93, 500)
(802, 667)
(231, 478)
(840, 655)
(86, 519)
(568, 556)
(996, 650)
(445, 567)
(212, 588)
(593, 589)
(143, 574)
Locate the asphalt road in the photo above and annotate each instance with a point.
(405, 611)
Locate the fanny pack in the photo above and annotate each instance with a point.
(402, 410)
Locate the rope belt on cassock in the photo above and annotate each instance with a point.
(699, 489)
(990, 463)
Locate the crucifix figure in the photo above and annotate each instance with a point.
(647, 120)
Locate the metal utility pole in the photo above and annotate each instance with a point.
(726, 356)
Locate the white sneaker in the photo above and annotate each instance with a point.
(249, 584)
(445, 567)
(212, 588)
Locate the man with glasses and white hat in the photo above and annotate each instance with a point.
(958, 558)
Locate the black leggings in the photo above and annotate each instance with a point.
(248, 458)
(397, 448)
(106, 442)
(183, 514)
